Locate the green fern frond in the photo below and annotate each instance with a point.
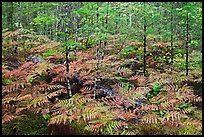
(114, 126)
(64, 103)
(38, 101)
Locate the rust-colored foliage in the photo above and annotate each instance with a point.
(119, 108)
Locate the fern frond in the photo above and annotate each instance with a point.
(57, 93)
(87, 90)
(90, 114)
(7, 117)
(150, 118)
(59, 78)
(173, 116)
(44, 47)
(115, 101)
(148, 107)
(38, 101)
(48, 88)
(59, 119)
(13, 87)
(114, 126)
(194, 122)
(185, 93)
(125, 72)
(93, 128)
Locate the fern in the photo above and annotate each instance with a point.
(7, 117)
(173, 116)
(59, 119)
(114, 126)
(150, 118)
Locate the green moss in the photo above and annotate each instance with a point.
(198, 114)
(153, 129)
(188, 130)
(79, 127)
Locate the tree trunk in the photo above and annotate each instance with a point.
(171, 36)
(97, 58)
(145, 28)
(19, 10)
(187, 43)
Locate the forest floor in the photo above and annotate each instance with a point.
(164, 101)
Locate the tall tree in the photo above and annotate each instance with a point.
(144, 42)
(19, 14)
(187, 34)
(172, 7)
(97, 54)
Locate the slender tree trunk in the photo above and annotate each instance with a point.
(159, 28)
(76, 37)
(172, 56)
(145, 28)
(68, 86)
(19, 10)
(97, 58)
(105, 41)
(187, 43)
(10, 16)
(67, 72)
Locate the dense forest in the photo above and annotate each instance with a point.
(102, 68)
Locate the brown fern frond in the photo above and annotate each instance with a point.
(150, 118)
(148, 107)
(10, 33)
(125, 72)
(57, 93)
(185, 93)
(59, 119)
(94, 128)
(7, 117)
(91, 113)
(44, 47)
(114, 101)
(56, 70)
(14, 86)
(48, 88)
(80, 100)
(54, 58)
(173, 116)
(170, 87)
(59, 78)
(38, 101)
(86, 90)
(24, 97)
(169, 105)
(10, 98)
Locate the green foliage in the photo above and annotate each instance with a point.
(155, 90)
(188, 130)
(49, 52)
(156, 104)
(127, 50)
(6, 81)
(30, 124)
(43, 19)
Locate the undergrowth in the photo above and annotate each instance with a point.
(34, 91)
